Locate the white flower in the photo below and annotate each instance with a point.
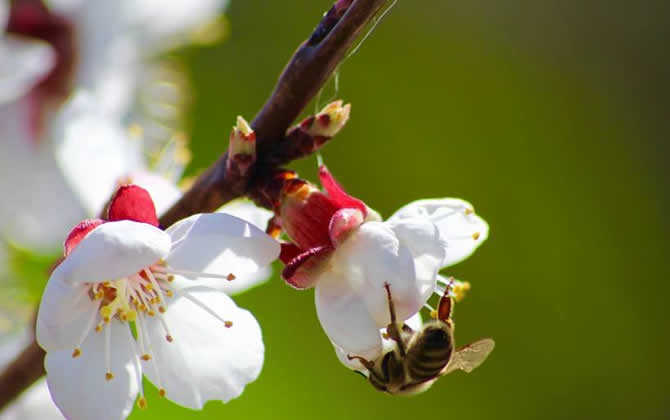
(348, 254)
(192, 341)
(53, 185)
(23, 61)
(51, 52)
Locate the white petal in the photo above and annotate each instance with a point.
(163, 192)
(23, 63)
(4, 14)
(345, 319)
(158, 22)
(206, 361)
(422, 238)
(114, 250)
(351, 299)
(220, 243)
(64, 315)
(259, 217)
(462, 232)
(34, 403)
(38, 207)
(78, 385)
(246, 210)
(93, 152)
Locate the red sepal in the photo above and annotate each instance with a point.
(288, 252)
(337, 193)
(132, 202)
(299, 273)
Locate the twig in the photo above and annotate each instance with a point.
(309, 68)
(27, 368)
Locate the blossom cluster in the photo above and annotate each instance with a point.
(131, 299)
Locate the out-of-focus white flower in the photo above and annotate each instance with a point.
(50, 52)
(192, 341)
(343, 249)
(53, 185)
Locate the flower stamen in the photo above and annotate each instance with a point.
(108, 364)
(206, 308)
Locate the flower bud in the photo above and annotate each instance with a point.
(329, 121)
(242, 149)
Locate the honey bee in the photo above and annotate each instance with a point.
(420, 357)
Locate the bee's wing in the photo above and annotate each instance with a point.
(469, 357)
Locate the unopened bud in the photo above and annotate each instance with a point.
(242, 149)
(329, 121)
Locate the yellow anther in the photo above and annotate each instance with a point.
(469, 211)
(76, 352)
(475, 235)
(169, 293)
(169, 338)
(98, 328)
(142, 403)
(228, 324)
(433, 314)
(106, 283)
(106, 319)
(148, 286)
(162, 262)
(106, 311)
(109, 376)
(161, 392)
(157, 300)
(170, 278)
(231, 277)
(123, 316)
(385, 336)
(151, 313)
(161, 309)
(99, 295)
(460, 290)
(146, 357)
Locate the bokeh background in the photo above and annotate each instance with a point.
(551, 117)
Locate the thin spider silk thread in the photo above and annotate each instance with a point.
(336, 73)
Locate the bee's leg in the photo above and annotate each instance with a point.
(445, 307)
(392, 329)
(365, 362)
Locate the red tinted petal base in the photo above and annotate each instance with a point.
(79, 232)
(132, 202)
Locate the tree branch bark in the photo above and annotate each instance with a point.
(309, 68)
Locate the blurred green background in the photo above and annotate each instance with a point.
(551, 117)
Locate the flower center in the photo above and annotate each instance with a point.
(131, 300)
(31, 18)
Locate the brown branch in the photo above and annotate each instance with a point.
(309, 68)
(27, 368)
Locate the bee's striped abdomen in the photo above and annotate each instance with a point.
(429, 352)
